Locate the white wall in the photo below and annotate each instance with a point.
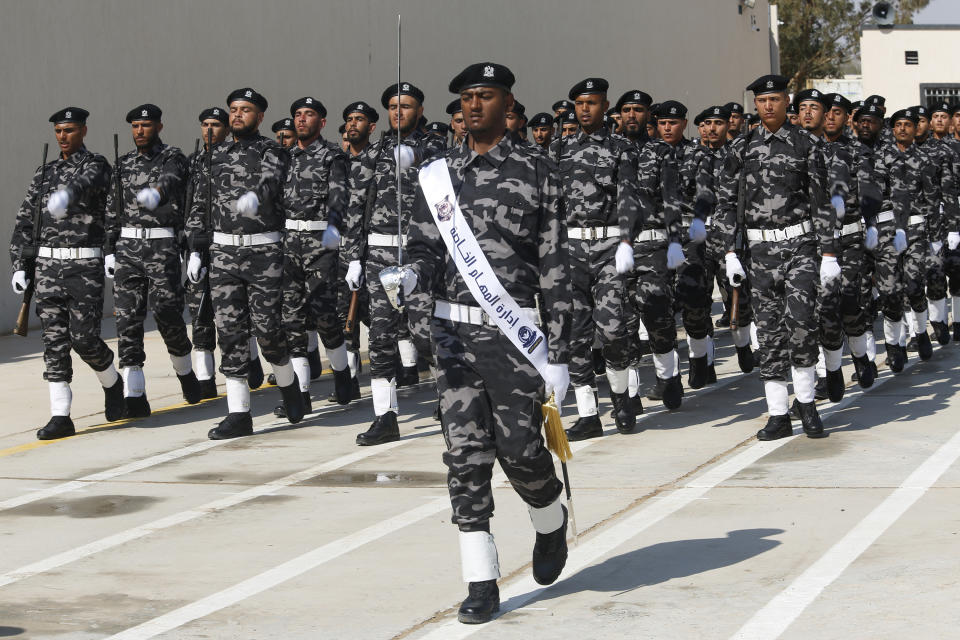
(883, 64)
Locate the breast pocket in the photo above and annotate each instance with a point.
(517, 216)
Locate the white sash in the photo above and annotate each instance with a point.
(474, 268)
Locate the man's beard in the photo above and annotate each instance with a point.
(149, 143)
(357, 137)
(308, 135)
(243, 132)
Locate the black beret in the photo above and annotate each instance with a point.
(361, 107)
(905, 114)
(570, 117)
(857, 104)
(715, 112)
(588, 85)
(792, 109)
(562, 104)
(811, 95)
(700, 118)
(70, 114)
(941, 106)
(751, 118)
(145, 112)
(634, 96)
(438, 127)
(518, 108)
(406, 89)
(215, 113)
(286, 123)
(671, 109)
(482, 74)
(837, 100)
(875, 99)
(247, 95)
(734, 107)
(870, 110)
(955, 109)
(768, 84)
(922, 111)
(308, 103)
(454, 107)
(541, 120)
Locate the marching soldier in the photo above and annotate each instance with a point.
(502, 197)
(940, 127)
(240, 222)
(373, 221)
(595, 167)
(541, 126)
(143, 232)
(736, 119)
(285, 132)
(774, 193)
(457, 124)
(57, 242)
(213, 126)
(439, 130)
(569, 124)
(313, 200)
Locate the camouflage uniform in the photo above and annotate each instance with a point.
(148, 269)
(245, 280)
(349, 235)
(941, 166)
(315, 190)
(69, 292)
(952, 224)
(783, 181)
(509, 196)
(204, 333)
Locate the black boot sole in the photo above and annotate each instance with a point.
(477, 618)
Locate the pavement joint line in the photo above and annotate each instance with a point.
(518, 594)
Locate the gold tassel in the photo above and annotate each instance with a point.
(556, 437)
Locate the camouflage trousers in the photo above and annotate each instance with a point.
(387, 325)
(69, 297)
(599, 300)
(693, 291)
(951, 266)
(843, 311)
(344, 295)
(490, 399)
(651, 294)
(247, 288)
(900, 277)
(203, 329)
(309, 296)
(783, 285)
(148, 275)
(936, 274)
(715, 266)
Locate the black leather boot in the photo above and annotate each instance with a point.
(483, 600)
(745, 358)
(636, 404)
(550, 553)
(136, 407)
(698, 372)
(316, 365)
(812, 425)
(672, 392)
(281, 411)
(293, 401)
(255, 374)
(895, 358)
(657, 392)
(924, 346)
(408, 376)
(711, 373)
(820, 389)
(384, 429)
(113, 405)
(864, 372)
(57, 427)
(584, 428)
(942, 333)
(190, 387)
(777, 427)
(342, 386)
(208, 389)
(354, 391)
(235, 425)
(956, 331)
(623, 415)
(835, 385)
(271, 380)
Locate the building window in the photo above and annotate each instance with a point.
(912, 57)
(931, 94)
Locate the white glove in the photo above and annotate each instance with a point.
(953, 240)
(331, 237)
(735, 273)
(675, 255)
(936, 246)
(109, 266)
(149, 198)
(900, 241)
(556, 380)
(838, 205)
(829, 270)
(403, 155)
(354, 275)
(624, 258)
(871, 239)
(410, 280)
(698, 231)
(248, 203)
(19, 281)
(58, 203)
(195, 269)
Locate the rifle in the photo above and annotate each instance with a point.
(739, 241)
(205, 310)
(28, 255)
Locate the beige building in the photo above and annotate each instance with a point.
(911, 64)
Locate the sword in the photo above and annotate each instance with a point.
(391, 278)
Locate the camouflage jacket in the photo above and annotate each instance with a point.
(594, 168)
(255, 164)
(688, 155)
(850, 174)
(648, 197)
(86, 176)
(784, 182)
(373, 195)
(709, 172)
(162, 167)
(943, 168)
(510, 199)
(316, 184)
(900, 177)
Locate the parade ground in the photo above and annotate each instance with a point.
(687, 528)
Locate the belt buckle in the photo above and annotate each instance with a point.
(484, 318)
(240, 238)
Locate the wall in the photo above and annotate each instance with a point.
(110, 55)
(883, 64)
